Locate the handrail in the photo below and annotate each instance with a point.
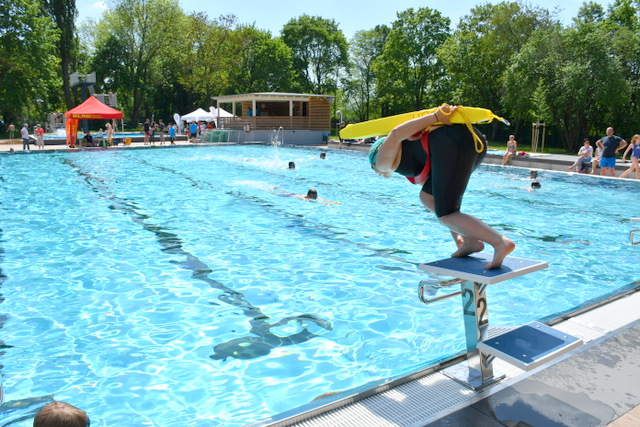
(431, 287)
(633, 232)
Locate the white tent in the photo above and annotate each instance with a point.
(223, 113)
(198, 115)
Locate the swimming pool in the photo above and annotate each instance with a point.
(176, 287)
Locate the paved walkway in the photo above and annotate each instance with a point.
(16, 145)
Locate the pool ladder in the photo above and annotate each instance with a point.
(633, 232)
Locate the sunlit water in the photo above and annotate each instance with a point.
(178, 287)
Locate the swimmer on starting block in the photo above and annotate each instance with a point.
(441, 159)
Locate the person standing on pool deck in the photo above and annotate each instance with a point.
(146, 127)
(442, 161)
(39, 137)
(193, 128)
(109, 134)
(172, 134)
(634, 147)
(610, 145)
(25, 137)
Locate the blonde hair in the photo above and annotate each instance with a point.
(636, 137)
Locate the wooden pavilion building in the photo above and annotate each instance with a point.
(296, 117)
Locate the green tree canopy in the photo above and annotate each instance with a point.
(135, 35)
(64, 13)
(409, 71)
(319, 50)
(570, 79)
(263, 64)
(27, 60)
(481, 49)
(365, 48)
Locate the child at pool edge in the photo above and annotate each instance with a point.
(445, 140)
(57, 414)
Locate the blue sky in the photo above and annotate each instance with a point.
(351, 16)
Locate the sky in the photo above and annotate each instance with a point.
(351, 16)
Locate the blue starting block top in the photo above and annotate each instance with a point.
(473, 268)
(530, 345)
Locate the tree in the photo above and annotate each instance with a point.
(409, 72)
(319, 50)
(365, 48)
(63, 14)
(27, 59)
(262, 64)
(140, 33)
(211, 56)
(570, 79)
(482, 48)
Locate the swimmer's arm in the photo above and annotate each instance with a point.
(327, 202)
(624, 156)
(390, 149)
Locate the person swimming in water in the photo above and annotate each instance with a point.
(441, 160)
(311, 196)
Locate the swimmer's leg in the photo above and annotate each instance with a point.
(466, 245)
(472, 228)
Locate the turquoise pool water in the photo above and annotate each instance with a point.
(178, 287)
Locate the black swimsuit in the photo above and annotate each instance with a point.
(453, 159)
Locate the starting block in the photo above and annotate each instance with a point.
(526, 347)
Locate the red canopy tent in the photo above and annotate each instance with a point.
(89, 109)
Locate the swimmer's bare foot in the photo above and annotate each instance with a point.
(468, 247)
(500, 252)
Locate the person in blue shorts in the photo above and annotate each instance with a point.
(172, 134)
(610, 146)
(441, 158)
(193, 129)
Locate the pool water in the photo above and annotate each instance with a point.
(180, 287)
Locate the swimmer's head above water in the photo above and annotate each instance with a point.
(312, 194)
(292, 165)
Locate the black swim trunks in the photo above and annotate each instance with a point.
(453, 159)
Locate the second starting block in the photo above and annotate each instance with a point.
(526, 346)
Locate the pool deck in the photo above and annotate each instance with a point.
(593, 385)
